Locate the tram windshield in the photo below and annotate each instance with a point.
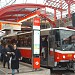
(67, 38)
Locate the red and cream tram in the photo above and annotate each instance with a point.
(58, 50)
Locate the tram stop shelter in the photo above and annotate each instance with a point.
(22, 12)
(12, 16)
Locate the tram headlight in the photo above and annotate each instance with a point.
(57, 57)
(63, 56)
(74, 56)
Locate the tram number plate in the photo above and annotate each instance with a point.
(69, 55)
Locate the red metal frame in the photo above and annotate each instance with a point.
(61, 4)
(18, 6)
(16, 12)
(13, 12)
(69, 2)
(52, 22)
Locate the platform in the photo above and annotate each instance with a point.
(25, 69)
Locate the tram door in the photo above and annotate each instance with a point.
(44, 50)
(51, 51)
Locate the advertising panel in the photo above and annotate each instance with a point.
(36, 42)
(11, 26)
(5, 25)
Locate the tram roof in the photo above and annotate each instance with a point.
(10, 35)
(16, 33)
(63, 28)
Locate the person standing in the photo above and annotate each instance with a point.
(6, 56)
(45, 48)
(1, 52)
(16, 56)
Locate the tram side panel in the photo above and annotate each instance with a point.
(25, 52)
(24, 45)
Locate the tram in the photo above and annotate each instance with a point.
(57, 51)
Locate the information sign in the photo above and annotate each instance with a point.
(36, 42)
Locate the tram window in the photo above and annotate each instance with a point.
(67, 40)
(24, 40)
(57, 35)
(57, 38)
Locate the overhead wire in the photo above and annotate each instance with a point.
(0, 4)
(25, 1)
(8, 3)
(13, 2)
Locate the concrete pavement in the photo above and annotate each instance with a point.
(25, 69)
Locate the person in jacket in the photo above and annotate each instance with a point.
(44, 48)
(1, 47)
(6, 56)
(16, 56)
